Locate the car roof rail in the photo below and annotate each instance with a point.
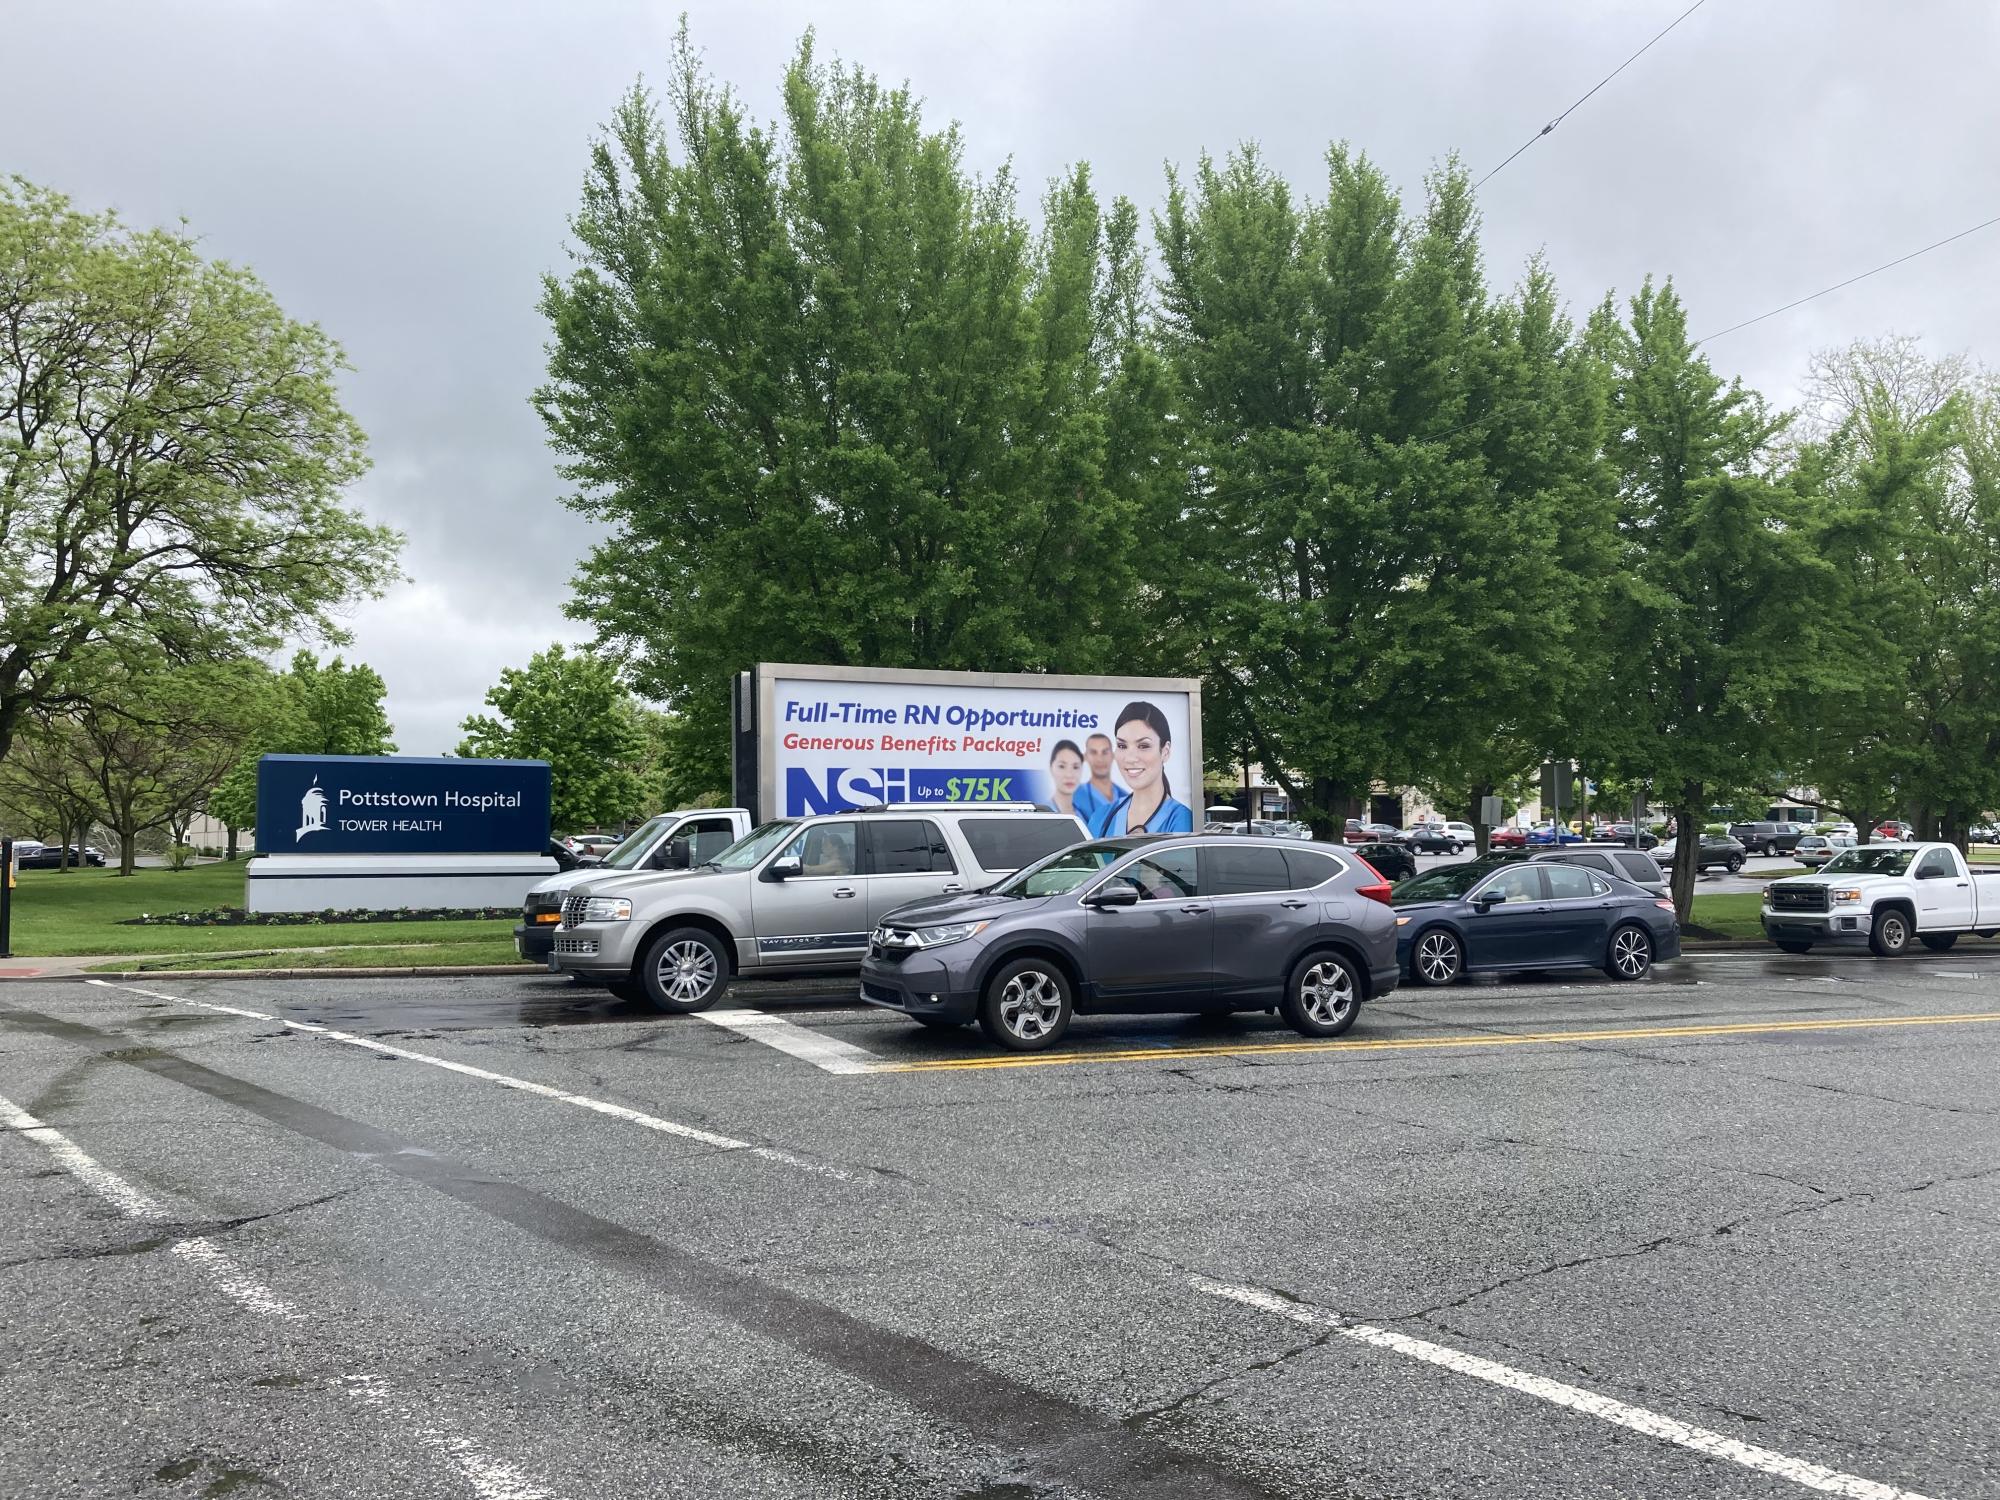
(943, 806)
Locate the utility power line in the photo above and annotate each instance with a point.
(1600, 84)
(1823, 291)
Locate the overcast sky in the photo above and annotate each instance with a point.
(402, 174)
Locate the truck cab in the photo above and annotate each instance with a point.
(666, 841)
(1884, 897)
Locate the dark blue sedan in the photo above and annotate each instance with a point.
(1483, 917)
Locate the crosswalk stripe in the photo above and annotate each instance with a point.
(827, 1053)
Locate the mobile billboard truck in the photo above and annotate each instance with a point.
(1121, 753)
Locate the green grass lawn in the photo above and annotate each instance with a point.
(1730, 915)
(58, 913)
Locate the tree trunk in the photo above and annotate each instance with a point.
(1687, 850)
(1480, 832)
(128, 838)
(1327, 825)
(232, 846)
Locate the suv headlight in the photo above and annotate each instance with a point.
(607, 909)
(950, 932)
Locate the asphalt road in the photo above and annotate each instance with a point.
(1731, 1232)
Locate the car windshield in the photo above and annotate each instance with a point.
(1446, 884)
(1061, 872)
(628, 854)
(753, 846)
(1870, 862)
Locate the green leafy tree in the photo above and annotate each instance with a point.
(1712, 616)
(1377, 455)
(573, 712)
(172, 454)
(1909, 516)
(313, 708)
(834, 401)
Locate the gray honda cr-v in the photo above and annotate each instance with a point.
(1193, 923)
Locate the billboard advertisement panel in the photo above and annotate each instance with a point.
(401, 804)
(1123, 753)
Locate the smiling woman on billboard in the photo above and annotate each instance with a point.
(1144, 746)
(1065, 773)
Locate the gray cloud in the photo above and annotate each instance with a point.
(403, 175)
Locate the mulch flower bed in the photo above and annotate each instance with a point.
(236, 916)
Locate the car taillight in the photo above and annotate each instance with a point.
(1379, 891)
(1664, 905)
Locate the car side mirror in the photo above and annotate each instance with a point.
(1117, 894)
(1485, 901)
(785, 869)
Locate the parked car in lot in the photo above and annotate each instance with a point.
(667, 841)
(1510, 837)
(1768, 838)
(50, 856)
(1528, 914)
(1627, 864)
(799, 895)
(1816, 849)
(1621, 833)
(1394, 861)
(1893, 832)
(1433, 838)
(1884, 897)
(1718, 851)
(1192, 923)
(1984, 833)
(1552, 834)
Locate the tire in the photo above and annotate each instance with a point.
(1323, 997)
(1889, 936)
(1793, 947)
(1455, 848)
(1027, 1005)
(1735, 864)
(1938, 942)
(684, 970)
(1442, 964)
(1630, 954)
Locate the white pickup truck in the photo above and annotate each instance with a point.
(1885, 896)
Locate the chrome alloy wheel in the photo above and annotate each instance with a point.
(686, 971)
(1437, 957)
(1031, 1004)
(1326, 993)
(1631, 952)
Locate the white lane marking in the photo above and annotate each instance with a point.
(581, 1101)
(134, 1204)
(1638, 1419)
(491, 1478)
(829, 1054)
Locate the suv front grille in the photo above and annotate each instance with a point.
(573, 909)
(1798, 898)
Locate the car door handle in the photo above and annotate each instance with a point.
(953, 889)
(1194, 910)
(1294, 905)
(844, 893)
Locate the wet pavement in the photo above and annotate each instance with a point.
(1727, 1232)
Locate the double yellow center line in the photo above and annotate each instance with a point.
(1430, 1043)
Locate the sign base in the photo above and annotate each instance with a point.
(387, 882)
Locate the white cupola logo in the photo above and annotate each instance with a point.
(312, 812)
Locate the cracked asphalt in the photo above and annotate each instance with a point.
(554, 1246)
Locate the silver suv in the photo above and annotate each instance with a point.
(795, 896)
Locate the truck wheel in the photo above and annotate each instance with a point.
(1890, 936)
(684, 970)
(1323, 997)
(1630, 954)
(1792, 947)
(1938, 942)
(1026, 1006)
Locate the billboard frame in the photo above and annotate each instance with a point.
(755, 771)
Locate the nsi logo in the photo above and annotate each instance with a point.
(312, 812)
(837, 788)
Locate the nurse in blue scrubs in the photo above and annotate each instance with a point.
(1096, 791)
(1144, 744)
